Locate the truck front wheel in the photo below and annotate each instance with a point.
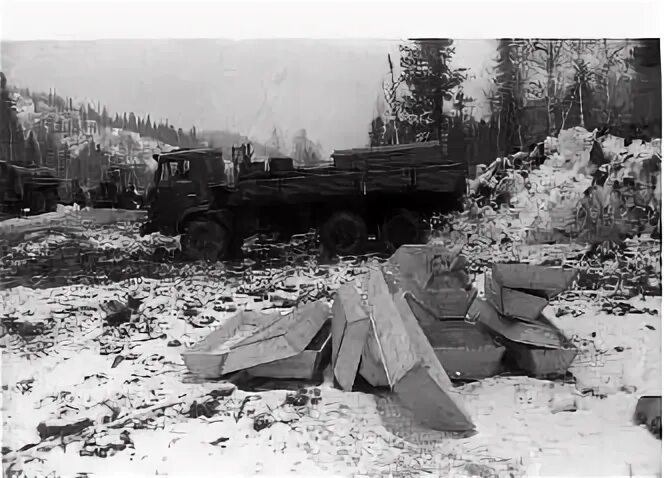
(401, 228)
(344, 233)
(205, 240)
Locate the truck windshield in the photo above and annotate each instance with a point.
(174, 170)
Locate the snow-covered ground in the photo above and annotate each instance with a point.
(520, 431)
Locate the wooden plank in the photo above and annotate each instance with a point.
(541, 362)
(350, 353)
(492, 292)
(522, 305)
(420, 343)
(350, 330)
(338, 324)
(541, 334)
(432, 406)
(303, 366)
(550, 280)
(248, 339)
(207, 357)
(284, 338)
(371, 365)
(392, 335)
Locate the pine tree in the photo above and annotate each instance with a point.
(504, 103)
(125, 122)
(105, 120)
(431, 81)
(132, 124)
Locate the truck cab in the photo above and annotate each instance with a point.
(183, 184)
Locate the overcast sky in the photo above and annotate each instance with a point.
(327, 87)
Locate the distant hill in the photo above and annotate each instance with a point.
(226, 140)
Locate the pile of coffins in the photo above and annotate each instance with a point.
(413, 324)
(515, 297)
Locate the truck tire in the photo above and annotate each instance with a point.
(344, 233)
(205, 240)
(37, 202)
(402, 227)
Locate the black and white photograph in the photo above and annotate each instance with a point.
(330, 239)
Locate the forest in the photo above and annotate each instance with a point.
(538, 87)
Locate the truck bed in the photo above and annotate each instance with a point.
(301, 185)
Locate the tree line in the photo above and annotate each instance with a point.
(538, 87)
(145, 126)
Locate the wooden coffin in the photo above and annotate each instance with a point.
(446, 304)
(546, 280)
(466, 350)
(350, 328)
(539, 334)
(541, 362)
(539, 349)
(398, 354)
(307, 365)
(251, 338)
(426, 388)
(387, 355)
(410, 269)
(512, 302)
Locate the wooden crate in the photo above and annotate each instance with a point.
(540, 361)
(546, 281)
(512, 302)
(447, 304)
(465, 350)
(539, 334)
(248, 339)
(306, 365)
(350, 328)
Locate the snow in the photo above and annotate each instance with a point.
(523, 428)
(347, 432)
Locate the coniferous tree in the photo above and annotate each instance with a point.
(132, 124)
(431, 81)
(148, 126)
(105, 120)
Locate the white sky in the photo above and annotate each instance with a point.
(53, 20)
(90, 19)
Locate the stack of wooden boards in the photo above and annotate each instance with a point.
(403, 155)
(515, 296)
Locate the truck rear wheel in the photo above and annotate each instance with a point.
(401, 228)
(205, 240)
(344, 233)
